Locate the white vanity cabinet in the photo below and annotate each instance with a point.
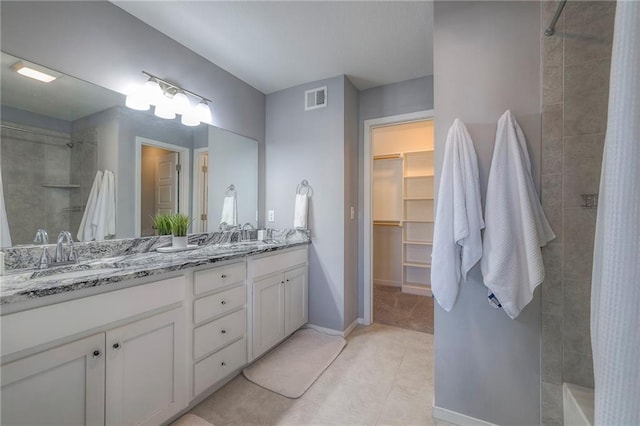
(130, 370)
(60, 386)
(219, 324)
(279, 297)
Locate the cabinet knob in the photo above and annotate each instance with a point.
(97, 353)
(287, 279)
(223, 331)
(223, 363)
(223, 276)
(281, 282)
(223, 302)
(116, 346)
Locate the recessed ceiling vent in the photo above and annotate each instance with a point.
(315, 98)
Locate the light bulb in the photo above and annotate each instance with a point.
(165, 110)
(181, 103)
(137, 100)
(153, 92)
(190, 117)
(203, 111)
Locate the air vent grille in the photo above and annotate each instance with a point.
(315, 98)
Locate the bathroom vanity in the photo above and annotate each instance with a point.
(141, 342)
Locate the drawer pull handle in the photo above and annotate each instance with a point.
(116, 346)
(287, 279)
(223, 331)
(97, 354)
(223, 302)
(223, 363)
(223, 276)
(281, 282)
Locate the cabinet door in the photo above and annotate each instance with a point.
(61, 386)
(295, 299)
(268, 313)
(146, 375)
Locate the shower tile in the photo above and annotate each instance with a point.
(579, 232)
(583, 79)
(552, 81)
(588, 30)
(552, 121)
(582, 165)
(586, 114)
(577, 311)
(552, 49)
(552, 344)
(551, 400)
(578, 368)
(552, 202)
(552, 286)
(25, 211)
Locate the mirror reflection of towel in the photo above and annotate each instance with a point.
(229, 211)
(86, 232)
(5, 237)
(300, 214)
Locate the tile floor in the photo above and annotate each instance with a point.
(384, 376)
(393, 307)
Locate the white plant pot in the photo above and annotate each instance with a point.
(179, 242)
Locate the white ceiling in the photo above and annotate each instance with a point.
(276, 45)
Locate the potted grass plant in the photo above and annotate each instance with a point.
(179, 226)
(162, 224)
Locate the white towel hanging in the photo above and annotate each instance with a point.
(229, 213)
(104, 214)
(300, 211)
(457, 242)
(5, 236)
(516, 226)
(86, 231)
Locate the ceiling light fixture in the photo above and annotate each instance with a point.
(169, 99)
(30, 71)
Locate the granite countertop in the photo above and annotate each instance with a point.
(24, 285)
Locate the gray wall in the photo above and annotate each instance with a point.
(310, 145)
(32, 119)
(487, 59)
(384, 101)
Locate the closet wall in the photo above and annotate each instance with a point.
(403, 206)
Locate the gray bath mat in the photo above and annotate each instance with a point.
(292, 367)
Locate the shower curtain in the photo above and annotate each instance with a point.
(615, 294)
(5, 237)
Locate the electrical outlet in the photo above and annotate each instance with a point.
(353, 213)
(271, 216)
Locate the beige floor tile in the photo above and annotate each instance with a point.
(405, 410)
(382, 371)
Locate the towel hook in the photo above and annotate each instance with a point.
(230, 191)
(302, 186)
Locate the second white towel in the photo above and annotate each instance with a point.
(457, 242)
(229, 211)
(300, 212)
(516, 226)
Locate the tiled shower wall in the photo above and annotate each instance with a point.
(576, 64)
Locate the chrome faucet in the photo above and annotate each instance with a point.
(246, 234)
(61, 257)
(41, 237)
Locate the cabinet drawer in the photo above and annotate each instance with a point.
(217, 366)
(277, 262)
(219, 303)
(214, 335)
(214, 278)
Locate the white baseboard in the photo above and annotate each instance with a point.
(457, 418)
(333, 332)
(417, 290)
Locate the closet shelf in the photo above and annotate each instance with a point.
(417, 264)
(422, 151)
(426, 175)
(417, 198)
(418, 221)
(387, 223)
(61, 186)
(418, 243)
(387, 157)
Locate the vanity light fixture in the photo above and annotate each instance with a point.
(169, 99)
(30, 71)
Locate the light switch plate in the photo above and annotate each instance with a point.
(271, 216)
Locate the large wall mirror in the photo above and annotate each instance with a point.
(73, 157)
